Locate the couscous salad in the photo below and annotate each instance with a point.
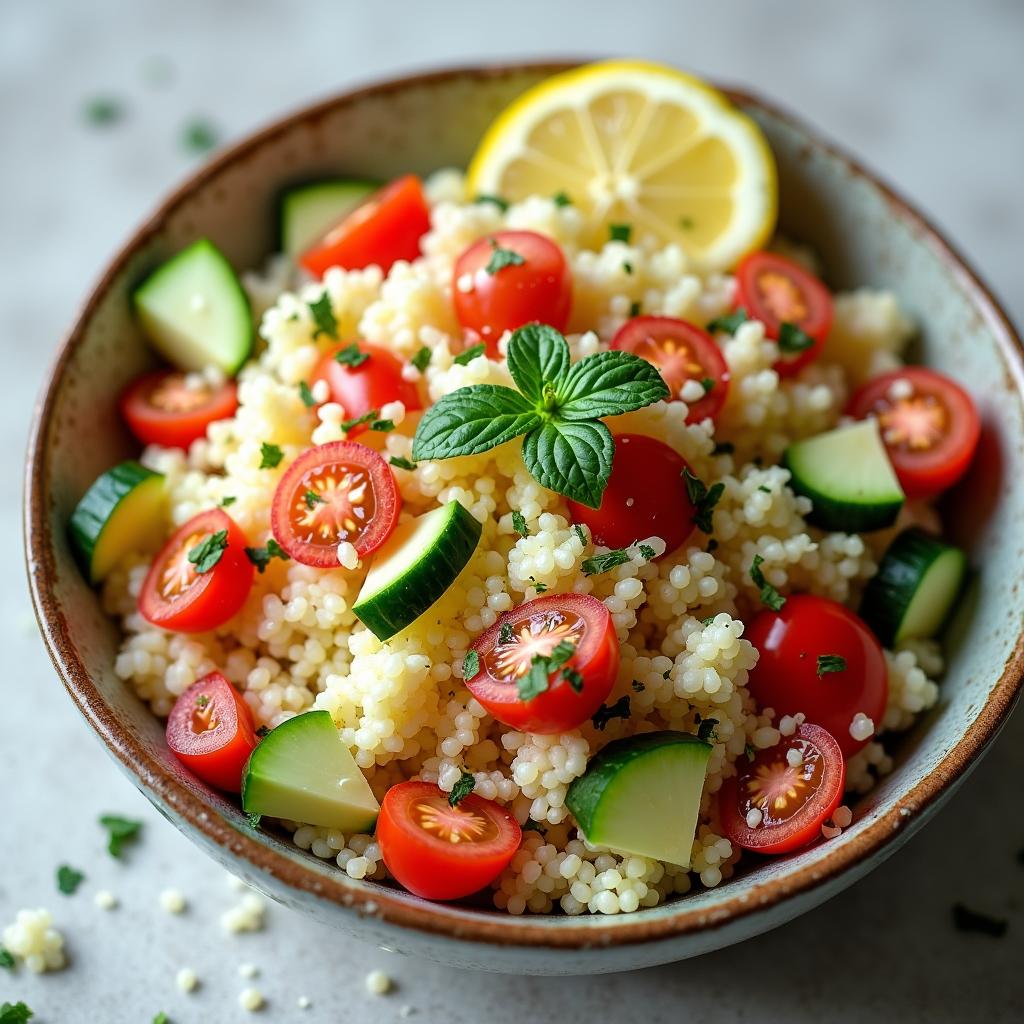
(549, 529)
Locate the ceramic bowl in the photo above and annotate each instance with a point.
(866, 236)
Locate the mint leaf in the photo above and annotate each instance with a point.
(463, 358)
(68, 879)
(537, 355)
(502, 258)
(350, 355)
(472, 420)
(461, 789)
(608, 384)
(15, 1013)
(119, 831)
(792, 339)
(571, 458)
(209, 551)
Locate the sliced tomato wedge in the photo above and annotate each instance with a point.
(575, 690)
(211, 731)
(335, 492)
(441, 852)
(929, 424)
(160, 409)
(369, 386)
(777, 291)
(189, 593)
(382, 230)
(681, 352)
(791, 801)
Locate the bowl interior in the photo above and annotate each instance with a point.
(865, 236)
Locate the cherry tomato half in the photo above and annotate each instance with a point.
(493, 293)
(818, 658)
(160, 409)
(646, 496)
(506, 652)
(340, 491)
(176, 595)
(792, 801)
(681, 352)
(211, 731)
(442, 852)
(385, 228)
(775, 291)
(366, 387)
(929, 424)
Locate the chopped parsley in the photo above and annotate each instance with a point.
(538, 678)
(770, 597)
(506, 634)
(202, 702)
(209, 551)
(68, 879)
(401, 463)
(634, 309)
(792, 339)
(199, 136)
(723, 448)
(103, 110)
(574, 679)
(539, 587)
(561, 199)
(15, 1013)
(748, 749)
(383, 426)
(638, 687)
(498, 201)
(230, 499)
(707, 383)
(502, 258)
(323, 319)
(704, 500)
(470, 354)
(311, 498)
(519, 524)
(119, 832)
(470, 665)
(830, 663)
(707, 621)
(767, 490)
(351, 356)
(270, 456)
(604, 714)
(706, 729)
(161, 1017)
(646, 551)
(306, 395)
(602, 563)
(422, 359)
(461, 789)
(260, 557)
(6, 959)
(581, 533)
(730, 322)
(620, 232)
(627, 267)
(367, 417)
(967, 920)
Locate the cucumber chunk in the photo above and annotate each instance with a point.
(308, 212)
(848, 476)
(123, 511)
(195, 312)
(414, 567)
(917, 584)
(302, 771)
(642, 795)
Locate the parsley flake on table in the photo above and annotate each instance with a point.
(324, 321)
(69, 879)
(6, 958)
(270, 456)
(199, 136)
(463, 358)
(502, 258)
(461, 789)
(15, 1013)
(605, 713)
(830, 663)
(209, 551)
(519, 523)
(351, 356)
(103, 110)
(770, 597)
(704, 500)
(119, 832)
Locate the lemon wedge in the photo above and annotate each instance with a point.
(638, 144)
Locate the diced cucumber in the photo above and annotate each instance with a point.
(848, 476)
(917, 584)
(303, 771)
(195, 312)
(642, 795)
(123, 511)
(308, 212)
(414, 567)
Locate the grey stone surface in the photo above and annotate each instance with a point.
(929, 93)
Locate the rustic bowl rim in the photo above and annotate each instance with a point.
(393, 906)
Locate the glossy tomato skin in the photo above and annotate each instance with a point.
(539, 289)
(175, 597)
(349, 482)
(944, 426)
(577, 618)
(384, 229)
(211, 731)
(817, 783)
(775, 290)
(366, 387)
(646, 496)
(681, 351)
(425, 860)
(786, 674)
(160, 409)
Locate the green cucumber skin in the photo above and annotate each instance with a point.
(585, 793)
(389, 611)
(888, 594)
(98, 504)
(296, 192)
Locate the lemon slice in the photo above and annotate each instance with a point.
(635, 143)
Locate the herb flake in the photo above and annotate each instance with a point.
(401, 463)
(770, 597)
(793, 340)
(605, 713)
(506, 634)
(704, 500)
(229, 499)
(69, 879)
(519, 523)
(597, 564)
(730, 322)
(15, 1013)
(561, 199)
(103, 110)
(830, 663)
(209, 551)
(6, 958)
(382, 426)
(620, 233)
(470, 665)
(463, 358)
(502, 258)
(367, 417)
(270, 456)
(306, 395)
(706, 730)
(120, 831)
(260, 557)
(498, 201)
(324, 321)
(461, 789)
(351, 356)
(199, 135)
(422, 359)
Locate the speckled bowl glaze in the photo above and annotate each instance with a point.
(866, 235)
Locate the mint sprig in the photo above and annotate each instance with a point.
(557, 411)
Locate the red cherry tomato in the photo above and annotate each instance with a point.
(160, 409)
(340, 491)
(368, 386)
(792, 802)
(385, 228)
(210, 730)
(442, 852)
(929, 424)
(506, 652)
(797, 670)
(646, 496)
(490, 300)
(177, 596)
(681, 352)
(778, 291)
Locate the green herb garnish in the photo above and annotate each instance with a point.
(573, 678)
(382, 426)
(306, 395)
(422, 359)
(602, 563)
(581, 533)
(707, 383)
(770, 597)
(260, 557)
(634, 310)
(748, 749)
(161, 1017)
(532, 826)
(470, 665)
(68, 879)
(323, 319)
(536, 680)
(367, 417)
(561, 199)
(229, 499)
(519, 524)
(119, 832)
(6, 958)
(687, 223)
(254, 819)
(501, 204)
(620, 232)
(351, 356)
(103, 110)
(730, 322)
(502, 258)
(15, 1013)
(270, 456)
(463, 358)
(209, 551)
(830, 663)
(397, 460)
(506, 634)
(199, 136)
(604, 714)
(706, 730)
(704, 500)
(461, 789)
(793, 340)
(311, 498)
(627, 267)
(646, 551)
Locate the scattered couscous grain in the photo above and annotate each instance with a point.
(187, 979)
(105, 899)
(33, 939)
(378, 983)
(251, 999)
(173, 901)
(247, 916)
